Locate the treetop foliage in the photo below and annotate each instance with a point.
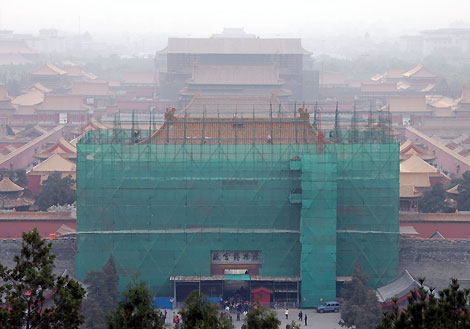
(260, 317)
(103, 295)
(34, 296)
(56, 190)
(360, 306)
(200, 313)
(135, 310)
(425, 310)
(463, 198)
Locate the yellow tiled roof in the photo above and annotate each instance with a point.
(55, 163)
(6, 185)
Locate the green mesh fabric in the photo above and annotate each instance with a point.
(161, 209)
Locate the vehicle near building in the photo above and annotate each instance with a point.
(329, 307)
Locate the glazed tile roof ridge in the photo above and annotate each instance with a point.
(439, 145)
(54, 163)
(397, 287)
(414, 164)
(36, 215)
(454, 189)
(409, 104)
(49, 69)
(434, 217)
(408, 148)
(39, 86)
(6, 185)
(62, 147)
(419, 69)
(409, 191)
(21, 149)
(60, 102)
(210, 130)
(394, 73)
(31, 98)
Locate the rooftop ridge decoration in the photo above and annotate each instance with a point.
(277, 126)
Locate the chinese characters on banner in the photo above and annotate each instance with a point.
(236, 257)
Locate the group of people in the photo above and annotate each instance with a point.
(302, 317)
(230, 307)
(176, 318)
(163, 316)
(237, 307)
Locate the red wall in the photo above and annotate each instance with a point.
(443, 159)
(12, 229)
(449, 230)
(34, 183)
(24, 158)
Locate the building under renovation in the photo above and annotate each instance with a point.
(236, 64)
(231, 205)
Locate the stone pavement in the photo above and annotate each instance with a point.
(315, 320)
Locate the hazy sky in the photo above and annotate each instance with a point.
(204, 17)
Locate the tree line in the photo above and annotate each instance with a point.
(437, 200)
(33, 297)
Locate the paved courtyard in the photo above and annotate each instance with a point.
(315, 320)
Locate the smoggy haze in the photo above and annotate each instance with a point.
(202, 18)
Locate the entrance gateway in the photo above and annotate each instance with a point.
(235, 275)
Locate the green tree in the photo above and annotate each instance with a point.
(25, 287)
(56, 190)
(135, 311)
(103, 295)
(434, 201)
(261, 317)
(463, 198)
(360, 307)
(200, 313)
(17, 176)
(424, 310)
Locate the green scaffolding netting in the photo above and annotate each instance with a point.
(160, 209)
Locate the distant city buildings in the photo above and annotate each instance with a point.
(447, 42)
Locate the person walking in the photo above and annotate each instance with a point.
(300, 316)
(287, 313)
(305, 318)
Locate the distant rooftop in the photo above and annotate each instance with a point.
(63, 102)
(234, 33)
(235, 75)
(49, 69)
(215, 105)
(256, 46)
(84, 88)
